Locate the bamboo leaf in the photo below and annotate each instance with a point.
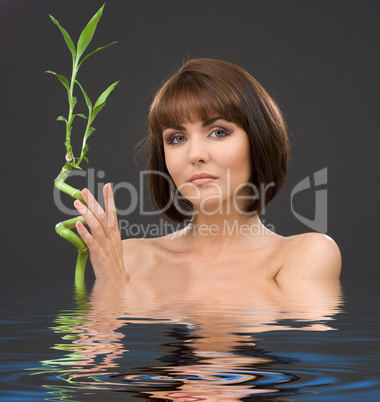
(69, 42)
(85, 149)
(95, 51)
(101, 102)
(85, 146)
(79, 115)
(87, 34)
(64, 81)
(74, 101)
(96, 110)
(87, 99)
(103, 97)
(85, 158)
(61, 118)
(62, 78)
(88, 133)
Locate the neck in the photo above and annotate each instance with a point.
(220, 230)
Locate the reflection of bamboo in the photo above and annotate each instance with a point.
(68, 323)
(88, 341)
(64, 228)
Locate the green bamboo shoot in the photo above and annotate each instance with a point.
(72, 162)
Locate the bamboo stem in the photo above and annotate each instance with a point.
(64, 228)
(80, 267)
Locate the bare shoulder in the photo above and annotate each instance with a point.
(141, 255)
(147, 245)
(132, 243)
(137, 249)
(310, 256)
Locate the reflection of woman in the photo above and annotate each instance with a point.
(218, 153)
(203, 343)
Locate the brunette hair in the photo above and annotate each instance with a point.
(202, 89)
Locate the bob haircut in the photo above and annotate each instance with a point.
(205, 88)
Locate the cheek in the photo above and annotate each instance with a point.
(174, 166)
(237, 158)
(168, 160)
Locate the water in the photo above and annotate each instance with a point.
(167, 343)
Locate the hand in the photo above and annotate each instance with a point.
(104, 241)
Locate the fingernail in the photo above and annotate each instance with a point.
(85, 192)
(78, 204)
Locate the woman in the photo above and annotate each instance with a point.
(218, 154)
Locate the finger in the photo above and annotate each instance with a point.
(92, 204)
(84, 234)
(91, 220)
(110, 207)
(95, 208)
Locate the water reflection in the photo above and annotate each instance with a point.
(185, 342)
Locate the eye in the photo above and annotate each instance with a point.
(176, 139)
(219, 133)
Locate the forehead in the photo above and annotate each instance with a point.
(184, 126)
(189, 104)
(185, 110)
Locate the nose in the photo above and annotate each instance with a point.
(198, 152)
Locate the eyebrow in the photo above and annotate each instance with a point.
(204, 124)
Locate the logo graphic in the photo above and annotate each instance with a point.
(319, 223)
(315, 185)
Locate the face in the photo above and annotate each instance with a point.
(209, 162)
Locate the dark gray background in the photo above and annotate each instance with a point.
(319, 59)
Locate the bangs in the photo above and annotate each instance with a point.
(188, 99)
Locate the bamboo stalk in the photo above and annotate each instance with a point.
(64, 228)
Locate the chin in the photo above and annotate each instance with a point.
(209, 207)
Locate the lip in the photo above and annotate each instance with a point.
(201, 178)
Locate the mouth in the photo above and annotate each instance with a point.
(201, 178)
